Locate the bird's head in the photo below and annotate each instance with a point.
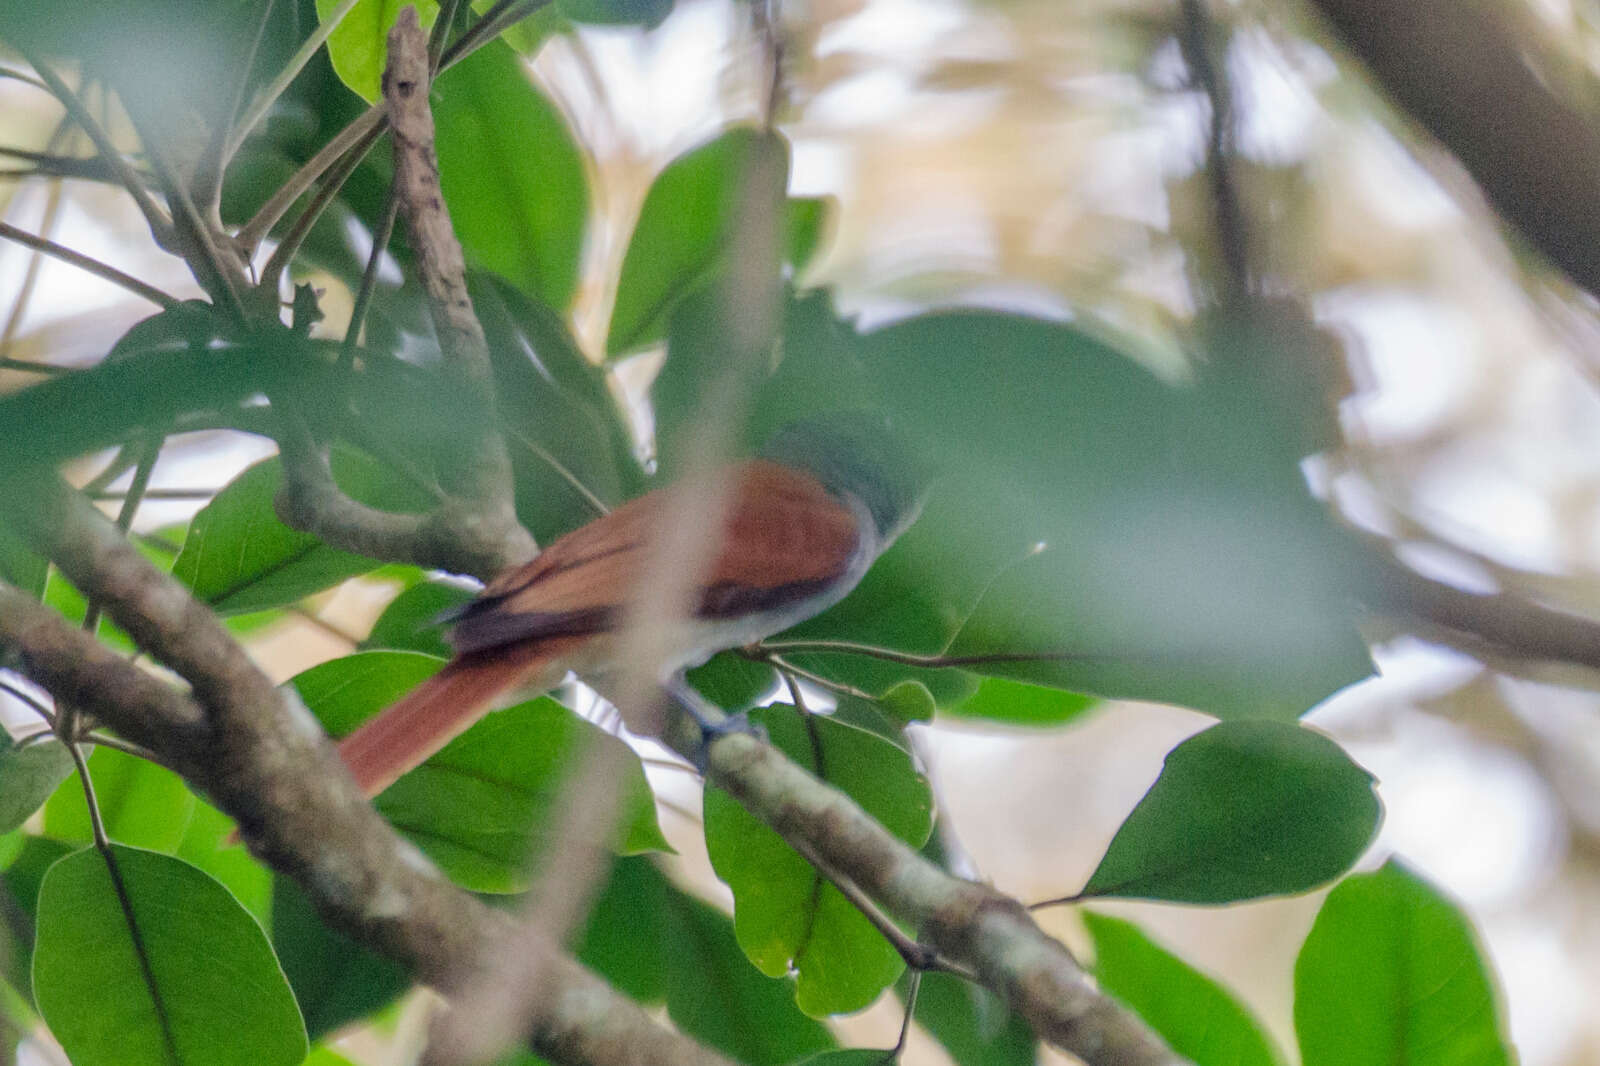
(856, 453)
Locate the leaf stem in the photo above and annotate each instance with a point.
(94, 266)
(269, 94)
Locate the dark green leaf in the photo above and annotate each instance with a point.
(851, 1057)
(1196, 1016)
(511, 173)
(1244, 809)
(19, 914)
(1391, 975)
(732, 682)
(683, 232)
(27, 778)
(358, 47)
(481, 807)
(197, 984)
(411, 621)
(1018, 703)
(971, 1023)
(654, 942)
(142, 804)
(20, 566)
(646, 13)
(238, 557)
(787, 919)
(335, 980)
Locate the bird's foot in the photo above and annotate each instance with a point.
(713, 722)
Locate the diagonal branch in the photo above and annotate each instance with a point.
(256, 752)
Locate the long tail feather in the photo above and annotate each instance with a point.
(403, 735)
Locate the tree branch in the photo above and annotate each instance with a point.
(475, 530)
(1463, 73)
(255, 750)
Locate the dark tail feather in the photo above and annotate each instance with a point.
(404, 734)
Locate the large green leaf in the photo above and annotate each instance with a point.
(141, 803)
(1195, 1015)
(20, 566)
(335, 979)
(1391, 975)
(358, 46)
(27, 778)
(23, 875)
(1000, 699)
(481, 807)
(180, 972)
(239, 557)
(654, 942)
(207, 843)
(686, 222)
(411, 621)
(1244, 809)
(1153, 539)
(511, 173)
(786, 917)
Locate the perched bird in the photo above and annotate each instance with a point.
(802, 524)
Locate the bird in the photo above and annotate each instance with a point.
(804, 520)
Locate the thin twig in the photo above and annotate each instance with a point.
(127, 747)
(47, 225)
(28, 366)
(1233, 237)
(32, 703)
(159, 221)
(101, 270)
(329, 191)
(369, 280)
(213, 164)
(931, 662)
(367, 124)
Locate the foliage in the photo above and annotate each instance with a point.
(1149, 539)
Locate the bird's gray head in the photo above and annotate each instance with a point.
(856, 453)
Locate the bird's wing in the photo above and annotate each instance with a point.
(785, 538)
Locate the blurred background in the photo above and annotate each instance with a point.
(1049, 157)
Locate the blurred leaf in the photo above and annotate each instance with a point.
(653, 942)
(142, 804)
(27, 778)
(335, 980)
(850, 1057)
(206, 845)
(359, 47)
(238, 557)
(806, 226)
(1156, 537)
(199, 984)
(683, 231)
(511, 173)
(476, 805)
(21, 881)
(732, 682)
(411, 621)
(1391, 974)
(1242, 810)
(1196, 1016)
(1016, 703)
(907, 702)
(20, 566)
(570, 451)
(786, 917)
(646, 13)
(972, 1024)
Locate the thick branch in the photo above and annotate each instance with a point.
(1461, 70)
(969, 924)
(256, 751)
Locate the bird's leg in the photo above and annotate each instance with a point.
(712, 721)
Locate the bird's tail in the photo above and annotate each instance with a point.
(400, 737)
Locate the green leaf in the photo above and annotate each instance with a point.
(511, 173)
(23, 876)
(1242, 810)
(851, 1057)
(1196, 1016)
(206, 845)
(732, 682)
(1017, 703)
(807, 222)
(359, 48)
(646, 13)
(786, 917)
(238, 557)
(907, 702)
(654, 942)
(411, 621)
(198, 983)
(971, 1023)
(683, 231)
(20, 566)
(481, 806)
(335, 979)
(142, 804)
(1391, 975)
(27, 778)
